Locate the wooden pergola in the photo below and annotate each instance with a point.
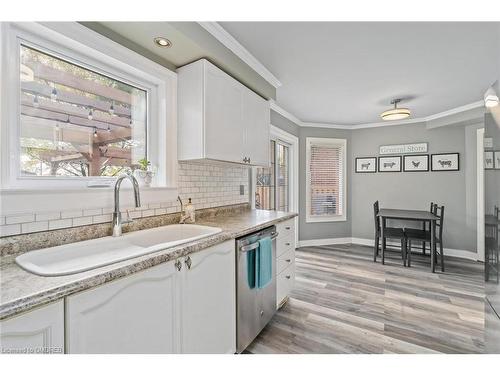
(93, 139)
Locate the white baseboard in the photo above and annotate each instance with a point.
(369, 242)
(325, 241)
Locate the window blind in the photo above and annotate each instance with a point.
(326, 162)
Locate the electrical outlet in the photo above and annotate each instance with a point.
(242, 189)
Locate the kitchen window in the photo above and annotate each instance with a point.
(326, 179)
(75, 122)
(272, 185)
(85, 110)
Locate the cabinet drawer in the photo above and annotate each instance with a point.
(284, 284)
(286, 228)
(285, 260)
(284, 244)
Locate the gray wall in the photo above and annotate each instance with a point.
(311, 231)
(455, 190)
(284, 124)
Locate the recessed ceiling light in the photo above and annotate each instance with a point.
(395, 113)
(163, 42)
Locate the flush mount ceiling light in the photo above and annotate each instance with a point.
(162, 42)
(395, 113)
(490, 98)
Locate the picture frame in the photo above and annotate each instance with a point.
(496, 159)
(416, 163)
(444, 162)
(389, 164)
(489, 160)
(366, 165)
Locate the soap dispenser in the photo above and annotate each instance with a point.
(190, 211)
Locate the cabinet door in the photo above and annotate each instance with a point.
(40, 331)
(209, 301)
(224, 130)
(136, 314)
(256, 115)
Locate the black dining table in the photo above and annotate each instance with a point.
(411, 215)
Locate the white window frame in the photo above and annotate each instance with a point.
(78, 44)
(277, 134)
(330, 142)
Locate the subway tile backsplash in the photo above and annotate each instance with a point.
(209, 184)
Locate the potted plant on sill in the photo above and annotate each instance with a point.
(144, 173)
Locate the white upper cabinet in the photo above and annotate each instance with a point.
(219, 118)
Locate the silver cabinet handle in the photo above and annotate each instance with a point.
(178, 265)
(287, 276)
(188, 262)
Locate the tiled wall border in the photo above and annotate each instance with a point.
(14, 245)
(208, 184)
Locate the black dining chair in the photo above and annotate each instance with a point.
(424, 227)
(425, 236)
(389, 232)
(491, 246)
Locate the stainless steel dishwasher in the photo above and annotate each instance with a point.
(255, 307)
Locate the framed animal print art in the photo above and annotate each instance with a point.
(389, 163)
(445, 162)
(366, 165)
(416, 163)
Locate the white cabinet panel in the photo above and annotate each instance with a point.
(256, 120)
(284, 284)
(285, 260)
(224, 126)
(285, 263)
(219, 118)
(209, 301)
(38, 331)
(135, 314)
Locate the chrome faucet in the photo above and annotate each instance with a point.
(117, 216)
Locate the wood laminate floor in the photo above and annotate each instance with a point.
(343, 302)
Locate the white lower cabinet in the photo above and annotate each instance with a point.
(135, 314)
(285, 262)
(40, 331)
(209, 301)
(186, 306)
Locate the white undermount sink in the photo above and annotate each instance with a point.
(86, 255)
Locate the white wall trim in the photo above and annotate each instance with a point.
(454, 111)
(464, 254)
(293, 141)
(325, 241)
(480, 192)
(219, 33)
(283, 112)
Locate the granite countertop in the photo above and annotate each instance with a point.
(21, 291)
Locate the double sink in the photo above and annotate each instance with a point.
(86, 255)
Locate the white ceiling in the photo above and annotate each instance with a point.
(347, 73)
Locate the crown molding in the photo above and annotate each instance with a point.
(219, 33)
(454, 111)
(283, 112)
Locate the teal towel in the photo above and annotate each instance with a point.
(251, 268)
(264, 262)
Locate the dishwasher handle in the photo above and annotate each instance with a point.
(255, 245)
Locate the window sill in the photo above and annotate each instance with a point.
(325, 219)
(79, 190)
